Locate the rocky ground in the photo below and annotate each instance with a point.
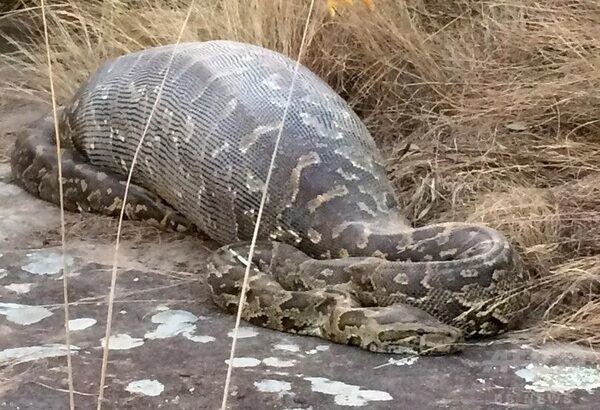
(170, 344)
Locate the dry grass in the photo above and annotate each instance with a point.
(498, 101)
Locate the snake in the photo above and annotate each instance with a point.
(334, 258)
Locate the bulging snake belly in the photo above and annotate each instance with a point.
(335, 259)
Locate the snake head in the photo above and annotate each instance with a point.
(397, 329)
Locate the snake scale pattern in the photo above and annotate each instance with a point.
(335, 257)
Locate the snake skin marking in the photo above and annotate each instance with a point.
(274, 82)
(313, 235)
(247, 141)
(380, 200)
(338, 191)
(378, 254)
(314, 123)
(338, 230)
(347, 176)
(390, 288)
(219, 150)
(364, 207)
(357, 161)
(253, 182)
(312, 158)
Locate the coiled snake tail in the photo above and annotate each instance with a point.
(409, 305)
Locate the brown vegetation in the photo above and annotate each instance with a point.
(486, 110)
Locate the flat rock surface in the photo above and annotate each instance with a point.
(170, 345)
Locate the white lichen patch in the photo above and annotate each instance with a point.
(172, 323)
(277, 362)
(244, 332)
(31, 353)
(244, 362)
(299, 408)
(559, 379)
(199, 338)
(272, 386)
(19, 288)
(176, 322)
(81, 323)
(122, 341)
(317, 349)
(3, 273)
(405, 361)
(145, 387)
(287, 347)
(46, 263)
(346, 394)
(24, 314)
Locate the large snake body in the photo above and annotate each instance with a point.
(335, 258)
